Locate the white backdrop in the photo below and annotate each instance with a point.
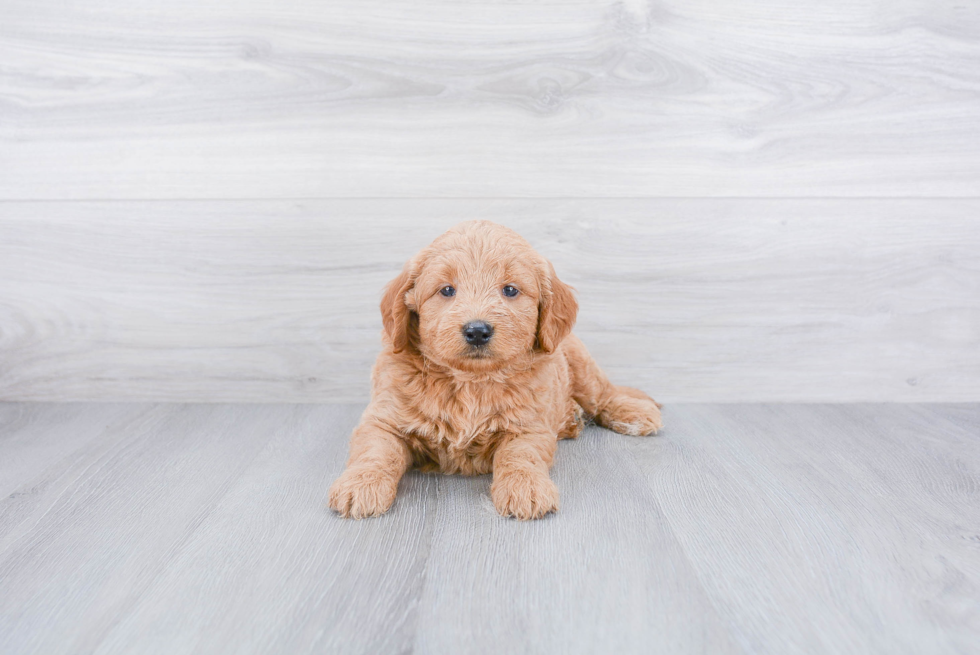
(772, 201)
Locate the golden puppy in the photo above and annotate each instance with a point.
(480, 373)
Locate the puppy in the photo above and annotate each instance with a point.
(480, 374)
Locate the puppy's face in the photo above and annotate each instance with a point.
(476, 312)
(478, 298)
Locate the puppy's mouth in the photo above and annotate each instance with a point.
(478, 352)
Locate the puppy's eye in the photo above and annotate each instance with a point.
(510, 291)
(449, 292)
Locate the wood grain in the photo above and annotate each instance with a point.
(553, 587)
(743, 529)
(530, 98)
(32, 441)
(101, 532)
(860, 518)
(711, 299)
(270, 544)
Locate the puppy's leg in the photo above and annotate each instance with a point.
(378, 460)
(521, 485)
(576, 422)
(622, 409)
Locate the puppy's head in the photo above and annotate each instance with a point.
(476, 299)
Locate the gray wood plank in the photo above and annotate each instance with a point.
(47, 449)
(530, 98)
(34, 437)
(691, 299)
(744, 528)
(604, 574)
(272, 570)
(823, 528)
(109, 532)
(960, 423)
(266, 568)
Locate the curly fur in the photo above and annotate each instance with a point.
(439, 404)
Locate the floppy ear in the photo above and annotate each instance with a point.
(395, 314)
(556, 312)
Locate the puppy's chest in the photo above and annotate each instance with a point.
(458, 432)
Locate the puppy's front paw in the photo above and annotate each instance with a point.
(360, 493)
(635, 414)
(524, 495)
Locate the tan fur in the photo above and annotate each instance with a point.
(438, 407)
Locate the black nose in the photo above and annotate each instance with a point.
(477, 333)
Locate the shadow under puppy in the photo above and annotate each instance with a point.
(480, 373)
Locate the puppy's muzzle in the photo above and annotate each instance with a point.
(477, 333)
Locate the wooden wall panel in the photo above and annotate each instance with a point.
(726, 300)
(182, 99)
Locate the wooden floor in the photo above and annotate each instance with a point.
(163, 528)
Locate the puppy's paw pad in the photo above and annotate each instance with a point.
(360, 494)
(632, 416)
(524, 495)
